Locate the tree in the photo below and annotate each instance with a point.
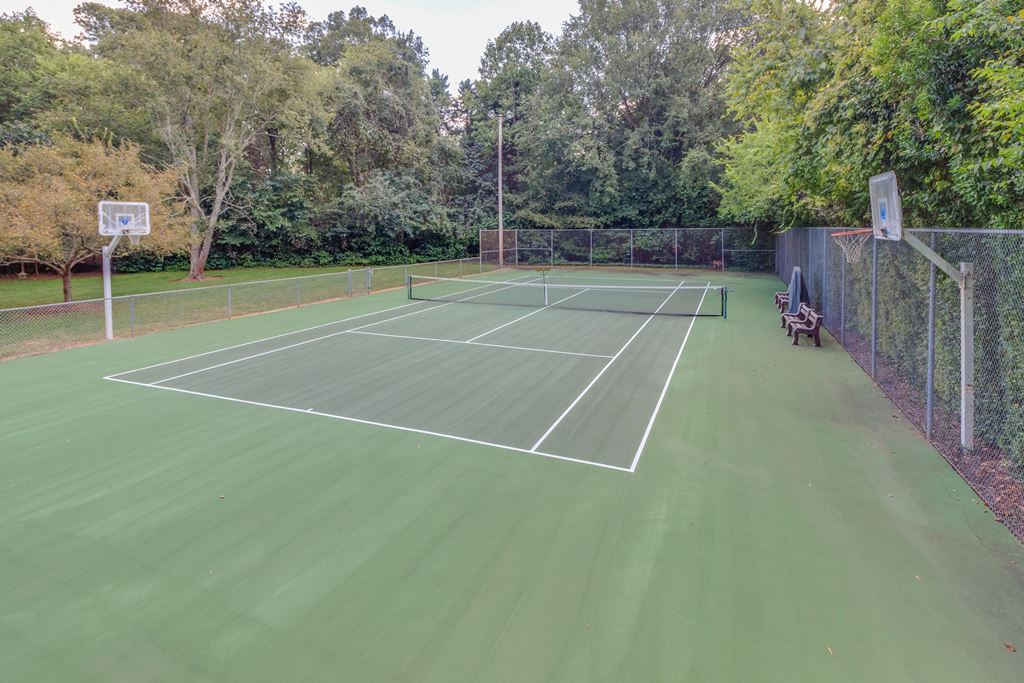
(511, 70)
(633, 88)
(214, 74)
(48, 197)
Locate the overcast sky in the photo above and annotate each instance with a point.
(455, 31)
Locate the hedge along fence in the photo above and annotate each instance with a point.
(899, 318)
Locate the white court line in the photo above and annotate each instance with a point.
(664, 389)
(296, 344)
(376, 424)
(473, 343)
(309, 341)
(527, 316)
(607, 365)
(285, 334)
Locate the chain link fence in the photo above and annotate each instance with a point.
(899, 318)
(713, 248)
(51, 327)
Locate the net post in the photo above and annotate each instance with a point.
(369, 280)
(725, 302)
(408, 286)
(229, 302)
(544, 279)
(967, 356)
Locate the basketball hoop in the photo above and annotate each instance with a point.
(852, 242)
(136, 240)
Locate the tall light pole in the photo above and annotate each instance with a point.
(501, 198)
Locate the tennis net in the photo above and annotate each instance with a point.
(683, 300)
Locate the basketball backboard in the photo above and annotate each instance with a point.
(124, 218)
(886, 210)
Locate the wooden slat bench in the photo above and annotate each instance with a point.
(799, 316)
(811, 327)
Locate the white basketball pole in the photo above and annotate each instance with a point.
(108, 303)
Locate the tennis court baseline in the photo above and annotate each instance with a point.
(542, 364)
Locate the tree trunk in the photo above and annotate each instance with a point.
(272, 139)
(66, 277)
(200, 253)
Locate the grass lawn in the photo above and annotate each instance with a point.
(46, 289)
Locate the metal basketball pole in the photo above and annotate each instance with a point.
(501, 199)
(964, 277)
(108, 302)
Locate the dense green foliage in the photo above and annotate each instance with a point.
(831, 94)
(300, 142)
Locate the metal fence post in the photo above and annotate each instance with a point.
(298, 292)
(369, 280)
(405, 273)
(930, 389)
(630, 248)
(591, 260)
(675, 247)
(842, 301)
(551, 248)
(131, 317)
(229, 301)
(967, 356)
(435, 270)
(824, 272)
(722, 245)
(874, 305)
(460, 268)
(348, 290)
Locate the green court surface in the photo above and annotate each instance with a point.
(381, 489)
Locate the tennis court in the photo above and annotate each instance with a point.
(504, 488)
(555, 365)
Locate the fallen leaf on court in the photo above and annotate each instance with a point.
(830, 653)
(1009, 647)
(918, 578)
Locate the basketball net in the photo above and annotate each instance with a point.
(852, 242)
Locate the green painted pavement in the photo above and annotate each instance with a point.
(784, 524)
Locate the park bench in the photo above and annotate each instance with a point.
(799, 316)
(810, 326)
(781, 300)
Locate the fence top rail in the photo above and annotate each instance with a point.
(723, 227)
(204, 288)
(951, 231)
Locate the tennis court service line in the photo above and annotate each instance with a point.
(607, 365)
(664, 389)
(473, 343)
(469, 341)
(289, 346)
(345, 418)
